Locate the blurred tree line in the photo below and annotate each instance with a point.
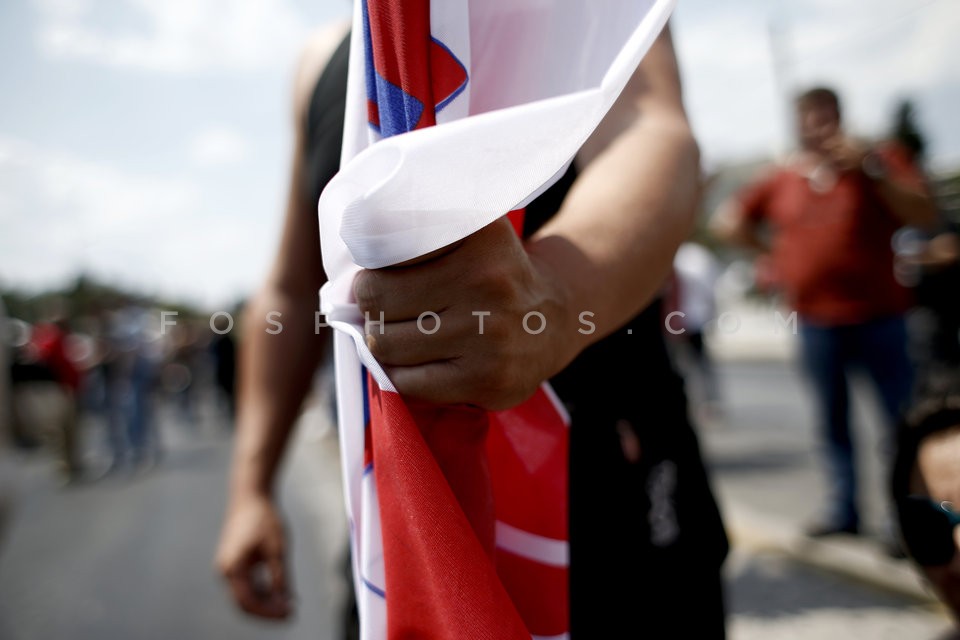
(85, 296)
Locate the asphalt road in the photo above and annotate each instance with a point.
(764, 457)
(130, 556)
(765, 451)
(772, 598)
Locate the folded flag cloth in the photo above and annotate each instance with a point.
(459, 112)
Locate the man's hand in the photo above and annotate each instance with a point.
(252, 557)
(845, 153)
(488, 280)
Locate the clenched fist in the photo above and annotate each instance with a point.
(251, 557)
(483, 323)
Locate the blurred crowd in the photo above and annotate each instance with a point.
(87, 387)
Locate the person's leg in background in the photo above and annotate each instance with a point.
(115, 411)
(70, 437)
(144, 446)
(823, 357)
(882, 349)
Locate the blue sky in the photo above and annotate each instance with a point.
(148, 141)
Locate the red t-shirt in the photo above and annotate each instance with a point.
(831, 249)
(49, 341)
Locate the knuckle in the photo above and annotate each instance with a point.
(366, 290)
(494, 279)
(382, 346)
(229, 569)
(223, 561)
(418, 392)
(375, 345)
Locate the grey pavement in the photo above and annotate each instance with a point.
(130, 555)
(763, 454)
(771, 597)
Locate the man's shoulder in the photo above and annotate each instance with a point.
(314, 56)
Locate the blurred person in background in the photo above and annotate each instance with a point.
(182, 369)
(696, 272)
(929, 263)
(6, 413)
(130, 371)
(826, 216)
(669, 544)
(49, 349)
(111, 379)
(926, 492)
(937, 291)
(142, 433)
(223, 350)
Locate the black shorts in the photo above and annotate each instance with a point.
(646, 538)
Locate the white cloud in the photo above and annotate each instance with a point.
(217, 146)
(61, 215)
(175, 35)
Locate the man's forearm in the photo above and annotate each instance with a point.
(614, 239)
(276, 371)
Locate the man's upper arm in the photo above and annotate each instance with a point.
(652, 97)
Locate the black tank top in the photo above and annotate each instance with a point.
(324, 124)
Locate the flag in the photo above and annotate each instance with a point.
(457, 113)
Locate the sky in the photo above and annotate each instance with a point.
(148, 143)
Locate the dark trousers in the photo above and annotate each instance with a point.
(646, 539)
(828, 354)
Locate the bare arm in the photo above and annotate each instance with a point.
(276, 371)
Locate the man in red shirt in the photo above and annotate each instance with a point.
(49, 343)
(826, 216)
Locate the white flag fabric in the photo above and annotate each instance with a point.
(457, 113)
